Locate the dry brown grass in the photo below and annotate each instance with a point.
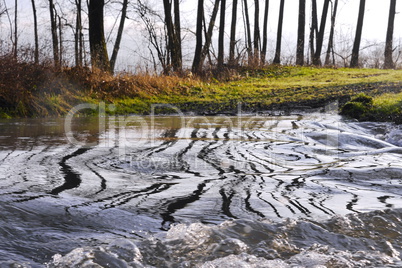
(27, 89)
(105, 86)
(19, 84)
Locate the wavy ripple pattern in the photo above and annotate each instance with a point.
(265, 167)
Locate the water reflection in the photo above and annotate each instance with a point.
(114, 177)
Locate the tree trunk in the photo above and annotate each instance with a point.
(221, 41)
(198, 46)
(119, 35)
(277, 59)
(233, 34)
(256, 31)
(173, 34)
(177, 24)
(15, 47)
(36, 53)
(78, 47)
(388, 61)
(331, 36)
(314, 28)
(301, 33)
(177, 60)
(167, 7)
(320, 36)
(354, 63)
(55, 40)
(265, 33)
(248, 31)
(97, 43)
(60, 42)
(208, 36)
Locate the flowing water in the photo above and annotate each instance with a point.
(184, 191)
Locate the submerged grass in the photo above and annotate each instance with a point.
(29, 90)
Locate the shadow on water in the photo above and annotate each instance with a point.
(72, 178)
(179, 203)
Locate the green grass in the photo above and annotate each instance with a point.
(388, 103)
(384, 107)
(4, 114)
(274, 87)
(388, 107)
(290, 85)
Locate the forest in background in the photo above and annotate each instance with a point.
(221, 34)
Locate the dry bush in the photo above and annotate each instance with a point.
(106, 86)
(19, 83)
(26, 89)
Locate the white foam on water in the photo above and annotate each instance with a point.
(358, 240)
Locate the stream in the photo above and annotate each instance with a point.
(311, 190)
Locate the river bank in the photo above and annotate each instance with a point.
(39, 91)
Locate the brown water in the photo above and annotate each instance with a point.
(189, 191)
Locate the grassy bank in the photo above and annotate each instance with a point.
(384, 107)
(30, 91)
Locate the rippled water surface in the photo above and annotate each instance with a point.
(249, 191)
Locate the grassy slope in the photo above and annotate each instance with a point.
(275, 88)
(271, 88)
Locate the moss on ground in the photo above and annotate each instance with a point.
(383, 107)
(359, 107)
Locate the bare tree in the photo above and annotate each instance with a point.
(3, 10)
(97, 43)
(196, 68)
(301, 33)
(15, 47)
(209, 33)
(233, 33)
(178, 62)
(354, 63)
(313, 29)
(55, 40)
(78, 41)
(265, 33)
(331, 36)
(167, 6)
(116, 47)
(247, 31)
(61, 48)
(173, 33)
(320, 36)
(156, 38)
(277, 59)
(388, 61)
(221, 41)
(36, 53)
(256, 31)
